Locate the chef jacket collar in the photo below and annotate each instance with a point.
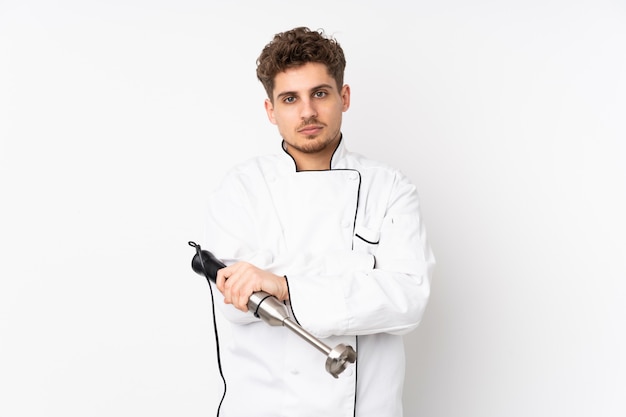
(336, 161)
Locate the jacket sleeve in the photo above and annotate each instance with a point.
(382, 285)
(229, 233)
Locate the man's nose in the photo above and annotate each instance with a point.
(308, 109)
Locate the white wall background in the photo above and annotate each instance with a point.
(116, 117)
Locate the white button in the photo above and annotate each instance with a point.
(352, 175)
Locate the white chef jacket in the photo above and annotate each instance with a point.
(352, 244)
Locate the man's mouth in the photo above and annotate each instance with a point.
(310, 130)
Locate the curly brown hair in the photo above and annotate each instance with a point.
(295, 48)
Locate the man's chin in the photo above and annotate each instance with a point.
(309, 145)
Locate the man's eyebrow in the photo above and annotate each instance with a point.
(328, 86)
(293, 93)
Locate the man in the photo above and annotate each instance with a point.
(335, 236)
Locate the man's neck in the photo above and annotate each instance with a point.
(305, 162)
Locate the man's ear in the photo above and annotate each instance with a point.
(345, 97)
(269, 109)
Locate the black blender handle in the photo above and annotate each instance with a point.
(205, 263)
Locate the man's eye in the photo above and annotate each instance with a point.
(319, 94)
(289, 99)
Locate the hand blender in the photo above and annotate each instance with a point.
(269, 309)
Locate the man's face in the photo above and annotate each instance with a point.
(307, 107)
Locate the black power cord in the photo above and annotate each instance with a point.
(198, 263)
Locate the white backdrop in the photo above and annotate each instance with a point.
(118, 116)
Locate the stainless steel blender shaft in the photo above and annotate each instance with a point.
(269, 309)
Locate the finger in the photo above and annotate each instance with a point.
(234, 293)
(231, 286)
(224, 274)
(239, 295)
(242, 303)
(244, 296)
(220, 279)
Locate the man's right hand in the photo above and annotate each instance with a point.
(239, 280)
